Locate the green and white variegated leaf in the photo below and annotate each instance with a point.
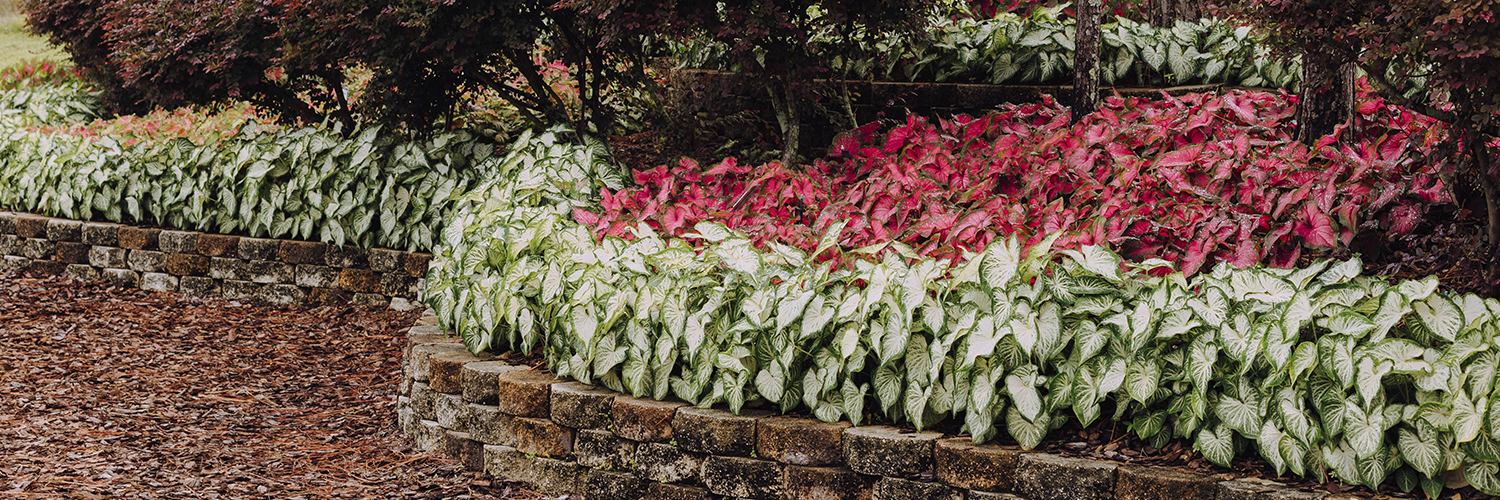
(1415, 290)
(1088, 339)
(1001, 261)
(1049, 335)
(791, 308)
(1341, 272)
(1440, 316)
(1112, 377)
(1348, 323)
(830, 238)
(1424, 455)
(1364, 431)
(1217, 445)
(1202, 356)
(739, 255)
(1143, 379)
(1026, 432)
(711, 231)
(1252, 284)
(1303, 358)
(771, 382)
(1343, 462)
(816, 316)
(1024, 395)
(1270, 446)
(1467, 419)
(1484, 476)
(1098, 260)
(1368, 373)
(1372, 470)
(1335, 354)
(1295, 454)
(1242, 416)
(1473, 308)
(1214, 306)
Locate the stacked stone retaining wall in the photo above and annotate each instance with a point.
(519, 422)
(194, 263)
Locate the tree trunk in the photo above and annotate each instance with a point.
(1166, 13)
(1327, 97)
(1087, 39)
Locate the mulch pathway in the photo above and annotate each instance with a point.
(121, 393)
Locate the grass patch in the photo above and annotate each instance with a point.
(16, 44)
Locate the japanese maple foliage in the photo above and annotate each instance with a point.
(1192, 179)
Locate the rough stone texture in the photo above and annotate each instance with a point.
(9, 243)
(218, 245)
(178, 241)
(402, 304)
(46, 267)
(280, 293)
(7, 223)
(81, 272)
(268, 271)
(645, 420)
(430, 436)
(606, 485)
(345, 256)
(136, 238)
(108, 257)
(98, 233)
(64, 230)
(985, 495)
(227, 269)
(14, 262)
(385, 261)
(159, 282)
(147, 261)
(370, 299)
(581, 406)
(71, 252)
(359, 280)
(316, 276)
(467, 451)
(800, 441)
(890, 488)
(540, 436)
(31, 226)
(478, 379)
(824, 483)
(238, 290)
(663, 491)
(259, 248)
(601, 449)
(326, 295)
(1050, 477)
(446, 370)
(186, 264)
(424, 401)
(123, 278)
(398, 285)
(301, 252)
(962, 464)
(1260, 489)
(525, 393)
(416, 264)
(198, 286)
(1152, 483)
(544, 474)
(665, 463)
(716, 432)
(421, 358)
(742, 477)
(487, 425)
(37, 248)
(451, 412)
(887, 451)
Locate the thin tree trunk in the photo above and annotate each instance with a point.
(1087, 39)
(793, 130)
(1166, 13)
(1327, 97)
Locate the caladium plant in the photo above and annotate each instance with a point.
(1319, 370)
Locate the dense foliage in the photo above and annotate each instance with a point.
(36, 74)
(1317, 369)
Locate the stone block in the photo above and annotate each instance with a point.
(316, 276)
(178, 241)
(420, 359)
(147, 261)
(198, 286)
(37, 248)
(478, 379)
(64, 230)
(402, 304)
(416, 264)
(31, 226)
(137, 238)
(540, 436)
(543, 474)
(100, 256)
(581, 406)
(824, 483)
(10, 244)
(301, 252)
(601, 449)
(259, 248)
(962, 464)
(280, 293)
(424, 401)
(1260, 489)
(663, 491)
(81, 272)
(325, 296)
(226, 269)
(370, 299)
(268, 271)
(46, 267)
(71, 252)
(187, 264)
(986, 495)
(158, 282)
(525, 393)
(1160, 483)
(459, 446)
(123, 278)
(430, 436)
(218, 245)
(359, 280)
(345, 256)
(398, 285)
(239, 290)
(101, 234)
(890, 488)
(7, 223)
(645, 420)
(742, 477)
(1041, 476)
(487, 425)
(879, 450)
(800, 441)
(385, 261)
(450, 411)
(14, 262)
(406, 419)
(445, 371)
(606, 485)
(716, 432)
(665, 463)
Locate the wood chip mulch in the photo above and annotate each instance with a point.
(121, 393)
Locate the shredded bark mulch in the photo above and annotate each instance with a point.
(120, 393)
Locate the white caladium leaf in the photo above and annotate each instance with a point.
(1001, 261)
(1270, 446)
(830, 237)
(1364, 432)
(1252, 284)
(1335, 355)
(1295, 454)
(711, 231)
(1474, 309)
(1467, 419)
(1098, 260)
(739, 255)
(1368, 372)
(1202, 356)
(1242, 416)
(791, 308)
(1112, 377)
(1341, 272)
(1347, 323)
(1440, 316)
(1024, 396)
(1213, 308)
(1372, 470)
(1415, 290)
(1342, 460)
(1484, 476)
(1216, 445)
(1424, 455)
(1088, 339)
(1027, 433)
(1143, 379)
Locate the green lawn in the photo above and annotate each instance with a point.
(16, 44)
